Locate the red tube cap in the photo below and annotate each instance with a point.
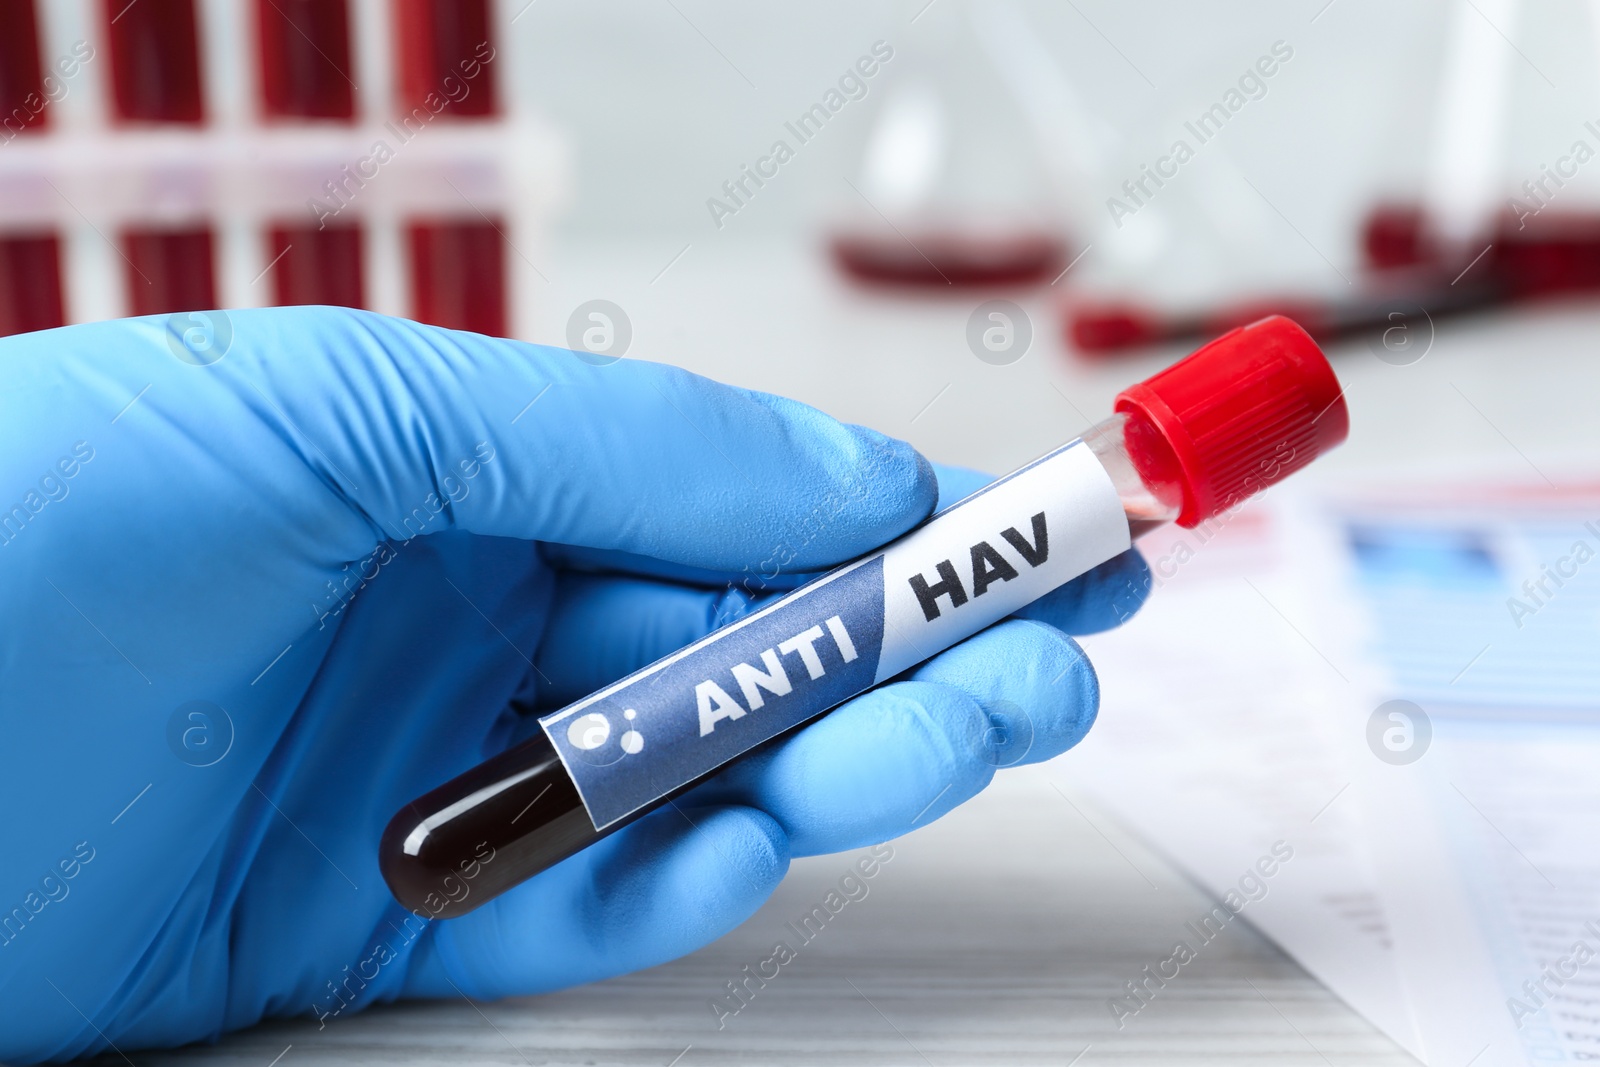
(1242, 413)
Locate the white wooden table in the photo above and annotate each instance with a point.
(994, 936)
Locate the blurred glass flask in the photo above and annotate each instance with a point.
(952, 188)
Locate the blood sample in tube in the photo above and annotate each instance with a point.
(305, 59)
(458, 275)
(30, 283)
(446, 57)
(169, 270)
(155, 61)
(317, 265)
(23, 101)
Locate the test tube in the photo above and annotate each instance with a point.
(305, 59)
(1188, 444)
(30, 283)
(22, 90)
(446, 49)
(458, 275)
(169, 270)
(317, 265)
(155, 61)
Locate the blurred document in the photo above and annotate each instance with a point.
(1481, 610)
(1218, 739)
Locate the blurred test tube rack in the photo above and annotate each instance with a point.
(159, 156)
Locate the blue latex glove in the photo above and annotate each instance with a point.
(254, 604)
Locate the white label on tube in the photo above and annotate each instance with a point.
(968, 567)
(1005, 546)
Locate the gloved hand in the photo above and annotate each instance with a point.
(260, 590)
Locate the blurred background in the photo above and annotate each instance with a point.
(825, 201)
